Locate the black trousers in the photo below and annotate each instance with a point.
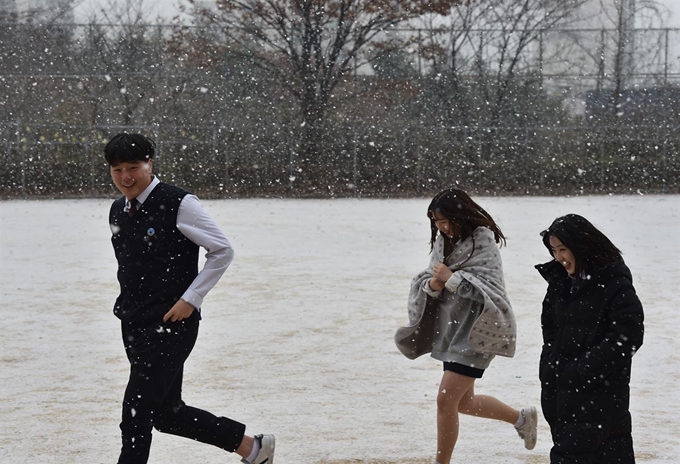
(153, 397)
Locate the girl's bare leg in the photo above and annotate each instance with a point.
(457, 395)
(452, 390)
(486, 406)
(246, 446)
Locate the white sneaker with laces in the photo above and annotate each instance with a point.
(528, 432)
(266, 453)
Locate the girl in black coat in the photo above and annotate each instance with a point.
(592, 323)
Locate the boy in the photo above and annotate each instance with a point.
(157, 230)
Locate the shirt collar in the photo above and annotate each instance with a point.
(141, 198)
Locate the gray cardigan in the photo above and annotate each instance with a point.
(471, 319)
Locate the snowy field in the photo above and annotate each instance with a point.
(296, 339)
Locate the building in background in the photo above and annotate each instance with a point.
(615, 48)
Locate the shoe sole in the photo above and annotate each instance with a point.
(533, 415)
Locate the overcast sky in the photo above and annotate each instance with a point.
(167, 8)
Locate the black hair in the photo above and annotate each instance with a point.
(457, 206)
(125, 148)
(591, 248)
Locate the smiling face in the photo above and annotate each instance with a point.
(132, 177)
(445, 226)
(563, 255)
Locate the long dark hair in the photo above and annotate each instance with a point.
(457, 206)
(591, 248)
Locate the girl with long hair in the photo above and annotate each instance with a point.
(459, 312)
(592, 323)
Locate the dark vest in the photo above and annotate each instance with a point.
(156, 262)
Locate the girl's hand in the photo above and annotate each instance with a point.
(436, 284)
(442, 272)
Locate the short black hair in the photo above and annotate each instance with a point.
(124, 148)
(591, 248)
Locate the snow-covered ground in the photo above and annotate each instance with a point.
(296, 339)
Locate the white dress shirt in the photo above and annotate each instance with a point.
(196, 225)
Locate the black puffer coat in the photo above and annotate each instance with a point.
(590, 334)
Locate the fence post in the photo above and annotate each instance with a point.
(355, 174)
(665, 60)
(601, 64)
(540, 59)
(420, 44)
(90, 156)
(291, 169)
(661, 141)
(418, 169)
(22, 163)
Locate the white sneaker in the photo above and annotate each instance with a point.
(266, 453)
(527, 432)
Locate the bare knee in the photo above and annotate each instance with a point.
(447, 400)
(452, 390)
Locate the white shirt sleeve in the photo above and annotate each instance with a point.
(454, 281)
(195, 223)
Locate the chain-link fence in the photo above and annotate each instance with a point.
(570, 118)
(214, 161)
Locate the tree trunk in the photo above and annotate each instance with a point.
(312, 173)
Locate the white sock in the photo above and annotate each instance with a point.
(254, 452)
(520, 420)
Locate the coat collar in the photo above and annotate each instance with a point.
(554, 273)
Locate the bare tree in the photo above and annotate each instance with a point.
(488, 59)
(454, 56)
(312, 46)
(613, 40)
(40, 13)
(621, 17)
(517, 25)
(34, 42)
(124, 48)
